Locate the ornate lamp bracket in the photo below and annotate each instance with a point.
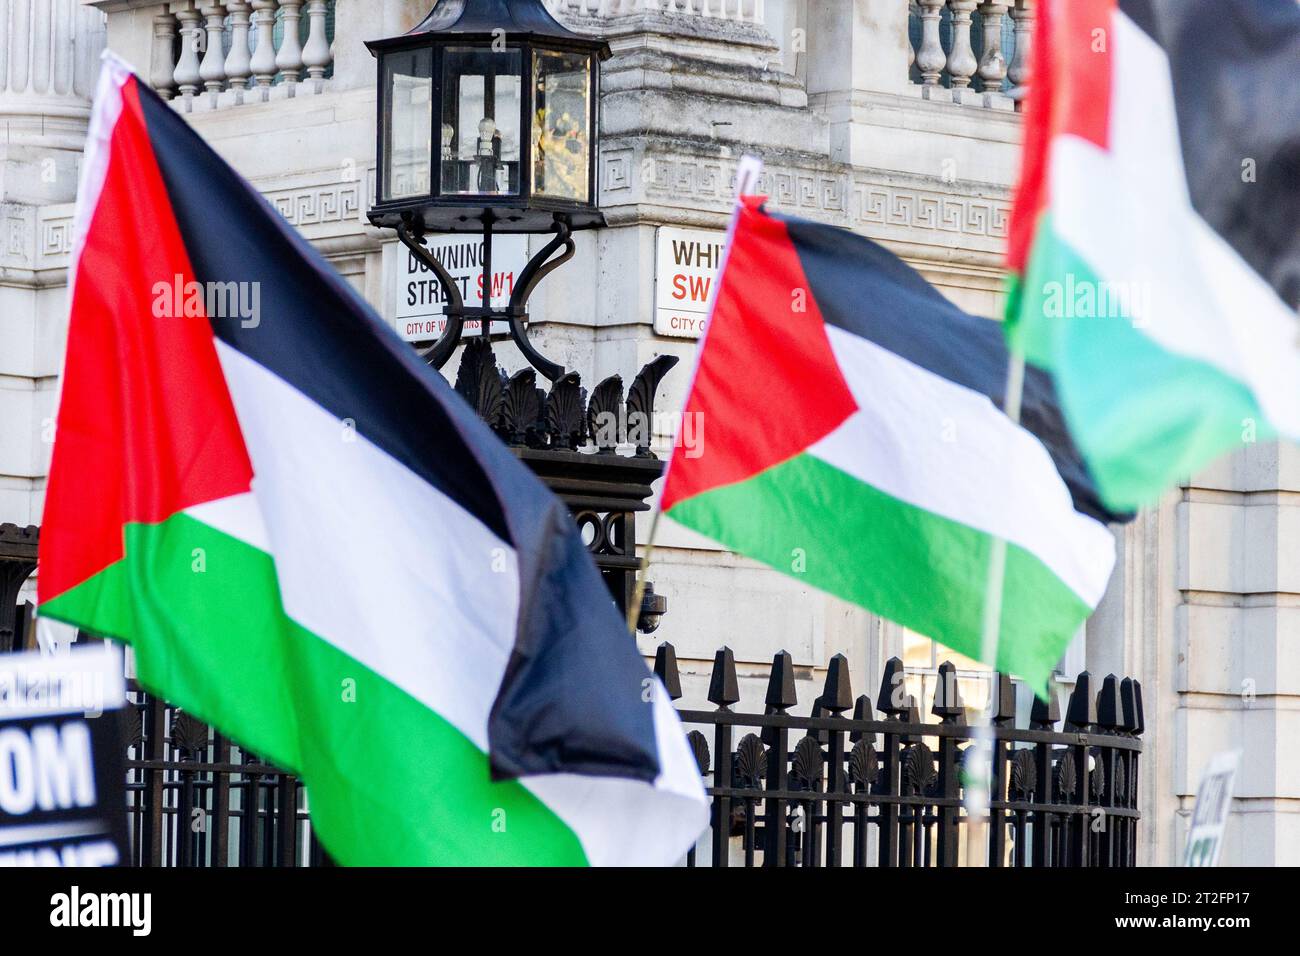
(516, 311)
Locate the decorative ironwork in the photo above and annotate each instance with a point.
(1024, 775)
(751, 763)
(863, 768)
(1096, 774)
(806, 764)
(18, 546)
(566, 424)
(866, 790)
(854, 789)
(1066, 783)
(553, 433)
(603, 423)
(478, 381)
(189, 733)
(918, 769)
(194, 798)
(641, 403)
(521, 410)
(699, 745)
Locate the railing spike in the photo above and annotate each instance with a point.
(892, 693)
(819, 710)
(837, 694)
(724, 688)
(780, 686)
(666, 669)
(862, 711)
(1128, 702)
(947, 695)
(1004, 700)
(1110, 710)
(1081, 712)
(1137, 698)
(911, 714)
(1045, 713)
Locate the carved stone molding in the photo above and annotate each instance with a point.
(41, 237)
(849, 196)
(334, 202)
(312, 204)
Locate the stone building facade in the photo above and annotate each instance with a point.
(895, 119)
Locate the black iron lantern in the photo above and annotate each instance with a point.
(488, 123)
(488, 119)
(487, 112)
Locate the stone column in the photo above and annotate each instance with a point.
(855, 48)
(353, 65)
(49, 59)
(1237, 643)
(1204, 606)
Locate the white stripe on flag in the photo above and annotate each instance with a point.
(1127, 212)
(392, 572)
(372, 558)
(942, 447)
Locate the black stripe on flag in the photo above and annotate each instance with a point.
(1233, 68)
(863, 288)
(572, 697)
(313, 329)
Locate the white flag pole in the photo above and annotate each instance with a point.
(978, 765)
(748, 172)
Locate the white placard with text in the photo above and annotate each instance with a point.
(1210, 812)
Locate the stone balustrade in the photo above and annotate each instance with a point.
(970, 52)
(209, 54)
(959, 51)
(745, 11)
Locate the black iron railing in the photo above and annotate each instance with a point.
(847, 786)
(194, 798)
(855, 783)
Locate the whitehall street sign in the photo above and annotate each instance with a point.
(1210, 813)
(62, 785)
(419, 313)
(686, 268)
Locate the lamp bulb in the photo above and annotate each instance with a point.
(486, 130)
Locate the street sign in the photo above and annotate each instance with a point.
(62, 786)
(687, 262)
(420, 302)
(1210, 814)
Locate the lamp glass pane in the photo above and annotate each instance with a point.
(562, 125)
(408, 123)
(480, 121)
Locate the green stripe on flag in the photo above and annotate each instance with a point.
(390, 782)
(820, 525)
(1144, 418)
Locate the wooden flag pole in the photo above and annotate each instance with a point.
(979, 769)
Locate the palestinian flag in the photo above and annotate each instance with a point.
(1154, 239)
(854, 439)
(312, 543)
